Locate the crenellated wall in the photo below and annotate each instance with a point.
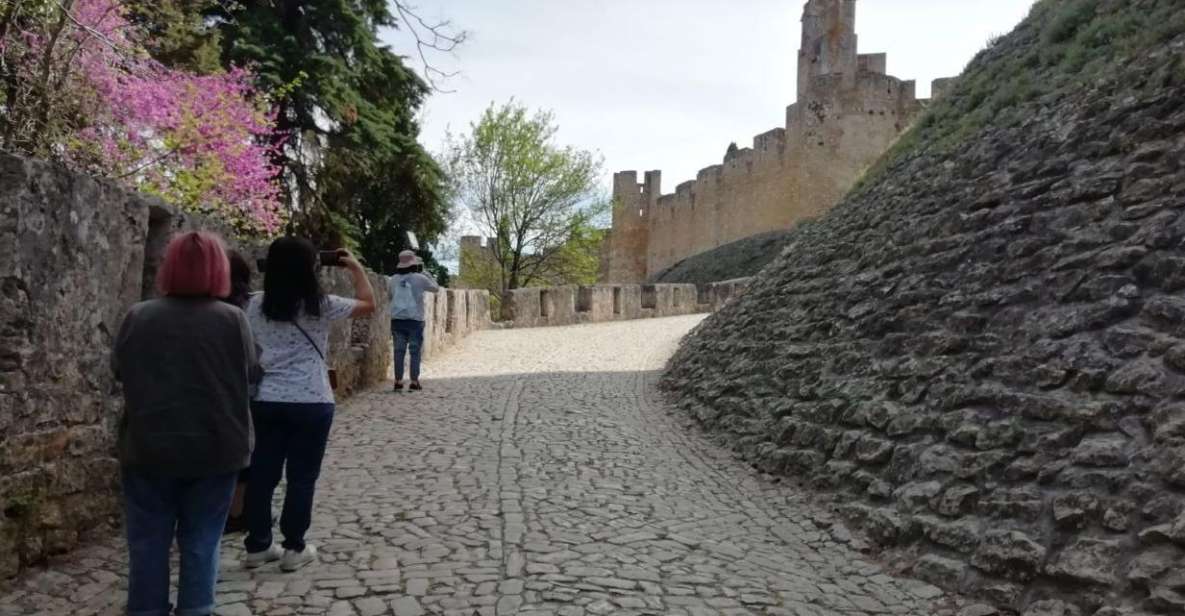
(849, 112)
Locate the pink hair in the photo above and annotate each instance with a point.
(195, 265)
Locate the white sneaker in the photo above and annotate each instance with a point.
(294, 560)
(254, 560)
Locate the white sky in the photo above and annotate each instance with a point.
(667, 84)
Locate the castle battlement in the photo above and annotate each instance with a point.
(849, 111)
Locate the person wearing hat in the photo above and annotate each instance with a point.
(408, 286)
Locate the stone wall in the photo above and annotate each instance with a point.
(849, 112)
(75, 253)
(71, 262)
(451, 315)
(571, 305)
(980, 357)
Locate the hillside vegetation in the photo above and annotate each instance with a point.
(738, 259)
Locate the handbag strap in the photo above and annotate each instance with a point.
(310, 339)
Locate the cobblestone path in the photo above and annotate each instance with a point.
(537, 474)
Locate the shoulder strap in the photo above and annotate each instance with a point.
(310, 339)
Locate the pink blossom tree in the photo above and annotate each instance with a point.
(77, 85)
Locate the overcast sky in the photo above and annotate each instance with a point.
(667, 84)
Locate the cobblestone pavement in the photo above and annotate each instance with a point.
(538, 473)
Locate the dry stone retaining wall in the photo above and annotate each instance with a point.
(981, 357)
(75, 253)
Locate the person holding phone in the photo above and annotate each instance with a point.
(293, 410)
(408, 286)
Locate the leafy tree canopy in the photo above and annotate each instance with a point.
(537, 200)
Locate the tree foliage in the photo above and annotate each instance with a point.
(180, 35)
(535, 199)
(345, 111)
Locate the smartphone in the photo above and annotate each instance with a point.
(330, 258)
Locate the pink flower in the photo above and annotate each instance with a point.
(204, 142)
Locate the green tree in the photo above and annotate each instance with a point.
(535, 199)
(180, 35)
(346, 105)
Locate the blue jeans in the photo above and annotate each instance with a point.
(408, 334)
(159, 509)
(286, 434)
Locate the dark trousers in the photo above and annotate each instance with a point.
(293, 435)
(158, 510)
(409, 336)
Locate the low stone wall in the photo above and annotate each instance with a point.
(75, 254)
(571, 305)
(452, 314)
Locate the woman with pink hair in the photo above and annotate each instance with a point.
(184, 360)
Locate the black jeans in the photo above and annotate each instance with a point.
(288, 433)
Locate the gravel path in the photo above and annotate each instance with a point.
(537, 474)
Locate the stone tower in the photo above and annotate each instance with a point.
(630, 239)
(828, 43)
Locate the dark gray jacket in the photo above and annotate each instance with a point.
(185, 365)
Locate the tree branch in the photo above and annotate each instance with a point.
(431, 37)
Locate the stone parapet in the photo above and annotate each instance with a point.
(572, 305)
(451, 315)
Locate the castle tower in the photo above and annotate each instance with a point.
(628, 242)
(476, 260)
(828, 43)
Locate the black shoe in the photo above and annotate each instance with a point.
(414, 386)
(398, 387)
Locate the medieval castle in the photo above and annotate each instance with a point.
(849, 112)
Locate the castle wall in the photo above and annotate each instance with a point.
(848, 114)
(788, 175)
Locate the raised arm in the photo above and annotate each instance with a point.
(363, 292)
(432, 285)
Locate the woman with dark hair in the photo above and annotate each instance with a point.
(293, 410)
(184, 360)
(240, 294)
(240, 279)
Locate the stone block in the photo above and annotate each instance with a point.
(956, 500)
(940, 571)
(1090, 561)
(960, 536)
(1051, 607)
(1010, 554)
